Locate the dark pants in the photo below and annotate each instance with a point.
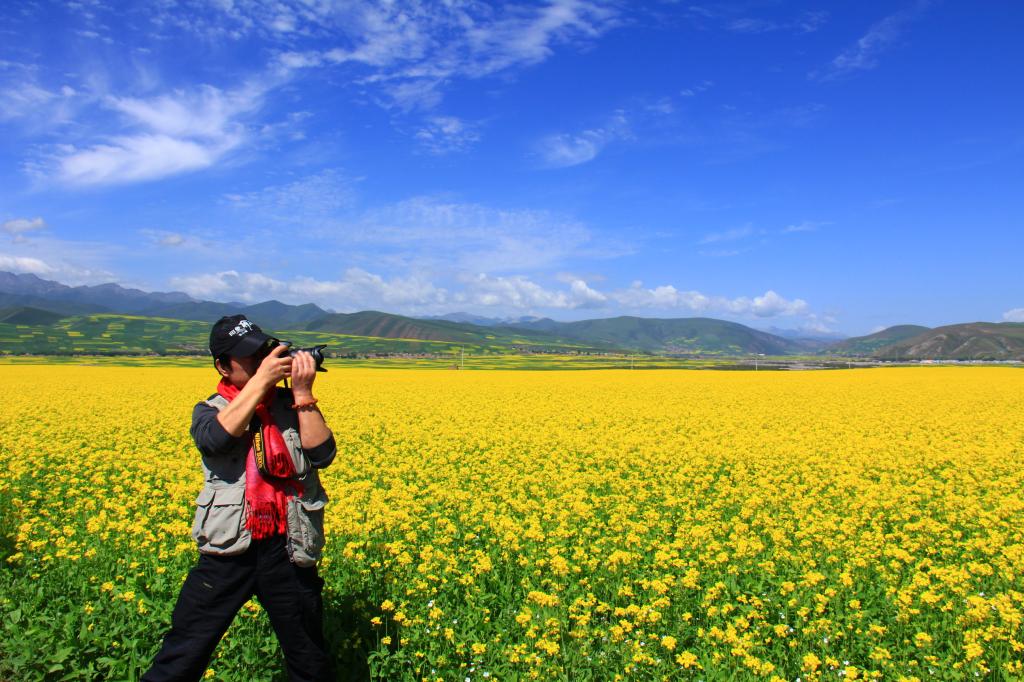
(218, 586)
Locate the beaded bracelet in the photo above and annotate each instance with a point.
(309, 403)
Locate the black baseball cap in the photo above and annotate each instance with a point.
(236, 336)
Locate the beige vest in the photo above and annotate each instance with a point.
(219, 526)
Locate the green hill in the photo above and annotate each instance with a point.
(683, 335)
(277, 315)
(386, 325)
(371, 332)
(107, 334)
(866, 346)
(972, 341)
(373, 323)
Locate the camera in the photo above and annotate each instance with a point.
(316, 351)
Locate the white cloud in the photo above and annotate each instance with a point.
(446, 134)
(25, 264)
(206, 113)
(572, 149)
(667, 297)
(1014, 315)
(663, 297)
(863, 55)
(181, 242)
(413, 49)
(521, 293)
(17, 226)
(22, 99)
(357, 289)
(134, 159)
(60, 270)
(770, 304)
(402, 54)
(180, 132)
(815, 324)
(34, 106)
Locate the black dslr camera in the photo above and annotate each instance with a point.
(316, 351)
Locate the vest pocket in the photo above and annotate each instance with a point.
(294, 442)
(219, 517)
(307, 534)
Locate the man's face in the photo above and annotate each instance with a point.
(240, 370)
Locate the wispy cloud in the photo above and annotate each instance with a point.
(401, 55)
(730, 18)
(863, 55)
(441, 135)
(162, 136)
(811, 21)
(571, 149)
(32, 104)
(310, 201)
(695, 90)
(21, 99)
(20, 226)
(737, 240)
(413, 50)
(168, 240)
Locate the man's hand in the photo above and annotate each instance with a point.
(276, 366)
(303, 371)
(312, 429)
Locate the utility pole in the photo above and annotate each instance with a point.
(462, 358)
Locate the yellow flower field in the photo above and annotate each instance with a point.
(646, 525)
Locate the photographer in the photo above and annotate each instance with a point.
(259, 517)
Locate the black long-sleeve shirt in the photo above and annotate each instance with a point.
(214, 441)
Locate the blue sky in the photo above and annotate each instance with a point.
(830, 166)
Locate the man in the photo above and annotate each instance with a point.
(259, 518)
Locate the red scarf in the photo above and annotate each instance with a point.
(266, 497)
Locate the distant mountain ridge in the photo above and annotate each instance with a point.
(480, 320)
(970, 341)
(864, 346)
(674, 335)
(30, 301)
(35, 292)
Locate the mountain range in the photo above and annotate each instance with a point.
(32, 307)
